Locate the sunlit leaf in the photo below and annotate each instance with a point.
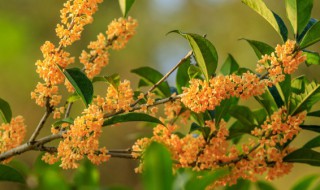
(80, 83)
(304, 155)
(125, 6)
(311, 22)
(260, 48)
(194, 72)
(305, 183)
(73, 98)
(182, 78)
(313, 143)
(205, 53)
(113, 80)
(313, 58)
(229, 66)
(8, 173)
(152, 76)
(132, 116)
(158, 168)
(276, 22)
(68, 120)
(312, 36)
(5, 111)
(299, 13)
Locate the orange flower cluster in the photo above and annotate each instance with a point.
(12, 135)
(119, 32)
(285, 60)
(81, 139)
(117, 98)
(42, 92)
(247, 161)
(74, 16)
(202, 95)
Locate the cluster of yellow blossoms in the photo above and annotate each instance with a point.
(12, 135)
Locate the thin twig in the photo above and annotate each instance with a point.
(68, 110)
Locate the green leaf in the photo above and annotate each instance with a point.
(262, 185)
(314, 113)
(5, 111)
(315, 128)
(313, 58)
(304, 155)
(260, 48)
(132, 116)
(125, 6)
(267, 101)
(113, 80)
(304, 101)
(152, 76)
(182, 78)
(157, 173)
(305, 183)
(284, 89)
(229, 66)
(222, 111)
(276, 22)
(260, 115)
(243, 114)
(205, 53)
(313, 143)
(276, 96)
(240, 185)
(299, 13)
(64, 120)
(87, 176)
(298, 85)
(194, 72)
(311, 22)
(312, 36)
(10, 174)
(81, 84)
(237, 129)
(73, 98)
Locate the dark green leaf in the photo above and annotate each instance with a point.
(205, 53)
(229, 66)
(81, 84)
(237, 129)
(299, 13)
(243, 114)
(315, 128)
(10, 174)
(313, 58)
(125, 6)
(312, 36)
(194, 72)
(311, 22)
(152, 76)
(87, 176)
(242, 70)
(267, 101)
(132, 116)
(222, 111)
(276, 22)
(314, 113)
(260, 115)
(304, 155)
(262, 185)
(313, 143)
(182, 78)
(240, 185)
(158, 168)
(284, 88)
(64, 120)
(260, 48)
(276, 96)
(305, 183)
(5, 111)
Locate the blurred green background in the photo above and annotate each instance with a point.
(25, 25)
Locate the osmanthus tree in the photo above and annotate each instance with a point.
(214, 152)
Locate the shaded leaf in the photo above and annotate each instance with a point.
(304, 155)
(243, 114)
(205, 53)
(229, 66)
(240, 185)
(314, 113)
(260, 48)
(305, 183)
(260, 115)
(284, 88)
(311, 22)
(132, 116)
(313, 143)
(315, 128)
(64, 120)
(87, 176)
(237, 129)
(5, 111)
(312, 36)
(299, 13)
(152, 76)
(182, 78)
(10, 174)
(276, 96)
(113, 80)
(125, 6)
(80, 83)
(194, 72)
(222, 111)
(262, 185)
(276, 22)
(267, 101)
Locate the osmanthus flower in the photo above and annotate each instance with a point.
(11, 135)
(43, 92)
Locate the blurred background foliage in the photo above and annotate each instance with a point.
(25, 25)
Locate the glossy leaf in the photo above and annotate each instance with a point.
(313, 143)
(304, 155)
(125, 6)
(68, 120)
(313, 58)
(132, 116)
(182, 78)
(305, 183)
(260, 48)
(311, 22)
(315, 128)
(243, 114)
(87, 176)
(240, 185)
(299, 13)
(152, 76)
(8, 173)
(81, 84)
(158, 168)
(5, 111)
(312, 36)
(205, 53)
(262, 185)
(306, 100)
(222, 111)
(229, 66)
(276, 22)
